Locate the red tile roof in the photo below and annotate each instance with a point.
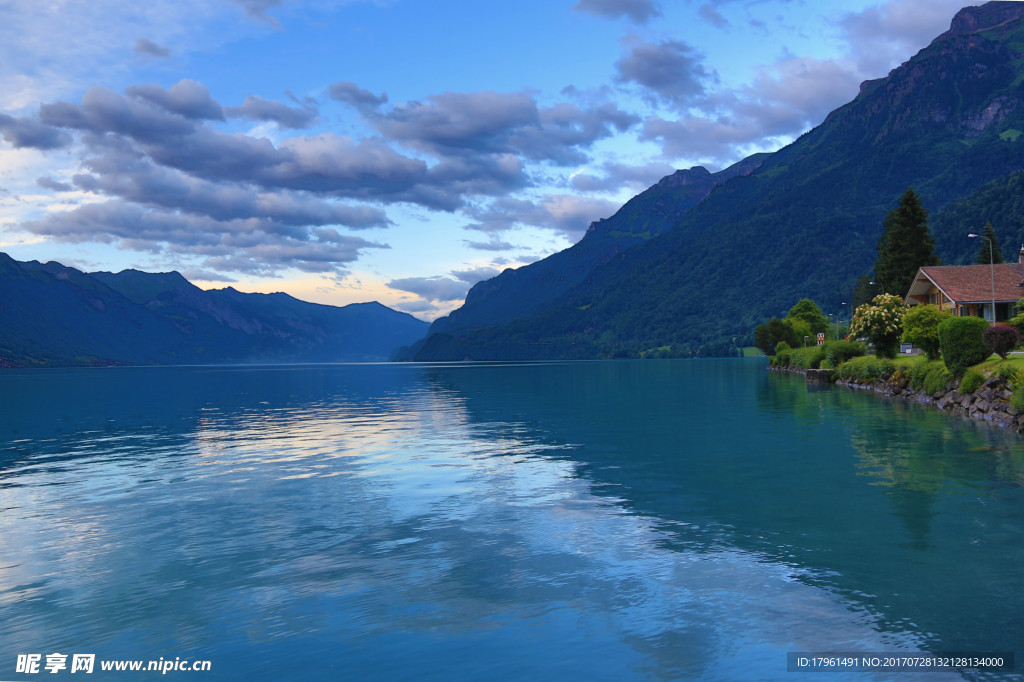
(973, 283)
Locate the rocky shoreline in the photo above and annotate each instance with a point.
(990, 402)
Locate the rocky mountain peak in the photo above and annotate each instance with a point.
(984, 17)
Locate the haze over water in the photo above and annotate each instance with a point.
(607, 520)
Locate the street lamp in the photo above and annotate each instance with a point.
(992, 268)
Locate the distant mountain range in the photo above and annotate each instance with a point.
(691, 265)
(52, 315)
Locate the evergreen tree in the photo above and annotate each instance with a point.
(865, 290)
(905, 245)
(983, 251)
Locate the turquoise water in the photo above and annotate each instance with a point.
(614, 521)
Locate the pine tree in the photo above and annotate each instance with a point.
(983, 251)
(864, 291)
(905, 246)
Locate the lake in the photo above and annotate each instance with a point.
(635, 520)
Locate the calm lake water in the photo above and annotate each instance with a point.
(612, 521)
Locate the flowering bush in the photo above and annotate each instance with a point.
(882, 322)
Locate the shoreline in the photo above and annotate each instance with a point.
(990, 402)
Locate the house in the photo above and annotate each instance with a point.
(967, 290)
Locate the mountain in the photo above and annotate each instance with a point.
(801, 222)
(52, 315)
(518, 293)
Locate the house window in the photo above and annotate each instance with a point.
(1002, 312)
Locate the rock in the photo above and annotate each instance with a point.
(819, 376)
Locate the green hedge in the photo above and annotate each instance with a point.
(807, 358)
(838, 352)
(866, 368)
(960, 339)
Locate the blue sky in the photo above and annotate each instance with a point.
(395, 150)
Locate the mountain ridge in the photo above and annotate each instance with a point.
(54, 315)
(804, 223)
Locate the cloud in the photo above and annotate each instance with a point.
(783, 101)
(351, 94)
(50, 183)
(882, 36)
(639, 11)
(250, 246)
(257, 9)
(142, 182)
(618, 175)
(415, 306)
(23, 133)
(325, 163)
(147, 47)
(492, 245)
(671, 70)
(784, 98)
(485, 122)
(475, 275)
(710, 13)
(566, 214)
(440, 289)
(188, 98)
(259, 109)
(161, 152)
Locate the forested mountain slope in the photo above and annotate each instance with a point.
(806, 221)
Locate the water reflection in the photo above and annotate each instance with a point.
(614, 520)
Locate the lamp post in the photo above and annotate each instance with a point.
(992, 269)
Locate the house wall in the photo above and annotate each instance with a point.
(1004, 311)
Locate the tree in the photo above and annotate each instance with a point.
(865, 291)
(983, 252)
(1000, 340)
(921, 328)
(768, 335)
(807, 311)
(882, 322)
(905, 245)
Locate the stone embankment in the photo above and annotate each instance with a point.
(990, 402)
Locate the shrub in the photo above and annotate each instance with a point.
(971, 381)
(1017, 399)
(921, 328)
(960, 339)
(1000, 340)
(937, 379)
(867, 368)
(807, 358)
(1008, 373)
(839, 352)
(918, 371)
(882, 322)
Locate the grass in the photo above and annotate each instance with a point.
(752, 352)
(993, 363)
